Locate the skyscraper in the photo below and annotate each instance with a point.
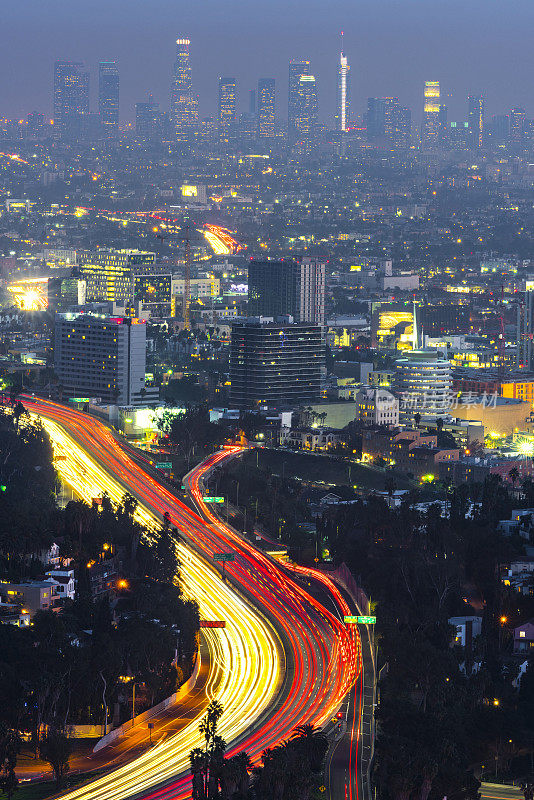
(227, 108)
(102, 357)
(404, 129)
(108, 95)
(387, 120)
(518, 118)
(343, 91)
(148, 120)
(475, 120)
(71, 92)
(184, 104)
(266, 107)
(296, 70)
(306, 119)
(275, 363)
(288, 288)
(500, 128)
(375, 118)
(431, 127)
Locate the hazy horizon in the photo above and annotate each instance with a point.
(392, 46)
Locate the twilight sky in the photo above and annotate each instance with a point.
(393, 46)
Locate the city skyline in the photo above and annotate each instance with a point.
(377, 42)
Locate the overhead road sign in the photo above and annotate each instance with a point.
(223, 557)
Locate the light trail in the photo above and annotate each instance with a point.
(324, 655)
(244, 655)
(221, 240)
(14, 157)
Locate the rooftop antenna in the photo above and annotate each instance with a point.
(415, 341)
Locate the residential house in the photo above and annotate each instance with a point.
(524, 637)
(63, 580)
(467, 629)
(31, 595)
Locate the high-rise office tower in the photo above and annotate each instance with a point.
(306, 120)
(343, 91)
(266, 107)
(432, 124)
(184, 104)
(148, 120)
(227, 108)
(518, 118)
(109, 273)
(375, 118)
(108, 95)
(287, 288)
(296, 70)
(500, 128)
(71, 92)
(404, 127)
(475, 120)
(387, 120)
(102, 357)
(276, 363)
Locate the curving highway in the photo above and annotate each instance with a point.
(272, 621)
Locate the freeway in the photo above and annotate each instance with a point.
(271, 619)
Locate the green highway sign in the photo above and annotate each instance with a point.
(223, 557)
(164, 465)
(359, 620)
(213, 499)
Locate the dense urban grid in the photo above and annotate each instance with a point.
(266, 444)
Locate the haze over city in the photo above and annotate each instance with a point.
(393, 45)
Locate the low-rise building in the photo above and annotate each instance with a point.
(30, 595)
(502, 415)
(377, 407)
(311, 438)
(524, 637)
(63, 580)
(467, 629)
(475, 469)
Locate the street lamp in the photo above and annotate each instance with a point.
(130, 679)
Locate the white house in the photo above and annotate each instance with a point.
(63, 580)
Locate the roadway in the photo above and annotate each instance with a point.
(135, 740)
(271, 619)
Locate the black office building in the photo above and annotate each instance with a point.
(281, 288)
(108, 95)
(274, 363)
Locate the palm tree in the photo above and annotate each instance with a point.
(234, 778)
(18, 412)
(313, 742)
(514, 475)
